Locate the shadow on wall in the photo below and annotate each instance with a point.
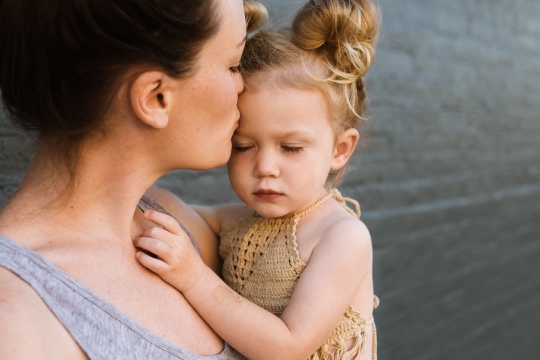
(449, 182)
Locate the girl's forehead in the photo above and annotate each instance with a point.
(300, 74)
(282, 111)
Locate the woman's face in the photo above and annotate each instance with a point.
(205, 114)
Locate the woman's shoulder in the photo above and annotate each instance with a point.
(33, 331)
(166, 199)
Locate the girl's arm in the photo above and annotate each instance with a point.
(219, 217)
(337, 267)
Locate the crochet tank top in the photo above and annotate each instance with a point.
(261, 262)
(100, 329)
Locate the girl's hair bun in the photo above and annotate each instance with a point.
(342, 33)
(256, 15)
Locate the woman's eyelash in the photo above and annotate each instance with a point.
(235, 69)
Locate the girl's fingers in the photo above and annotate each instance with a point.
(172, 240)
(151, 263)
(165, 221)
(154, 246)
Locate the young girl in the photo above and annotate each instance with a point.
(298, 256)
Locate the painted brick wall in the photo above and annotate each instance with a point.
(449, 181)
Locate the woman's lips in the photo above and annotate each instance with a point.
(267, 195)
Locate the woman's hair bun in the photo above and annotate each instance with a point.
(342, 33)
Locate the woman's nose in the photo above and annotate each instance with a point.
(266, 165)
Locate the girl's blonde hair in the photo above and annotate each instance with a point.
(329, 48)
(256, 15)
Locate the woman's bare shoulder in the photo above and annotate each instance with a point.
(17, 300)
(168, 200)
(29, 329)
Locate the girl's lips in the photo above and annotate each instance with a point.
(267, 195)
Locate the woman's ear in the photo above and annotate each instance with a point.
(150, 96)
(344, 149)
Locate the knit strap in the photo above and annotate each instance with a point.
(344, 200)
(319, 202)
(340, 199)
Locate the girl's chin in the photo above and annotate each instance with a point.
(269, 214)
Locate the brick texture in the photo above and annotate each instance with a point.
(449, 181)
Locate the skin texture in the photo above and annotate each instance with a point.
(156, 123)
(284, 144)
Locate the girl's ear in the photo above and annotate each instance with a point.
(150, 96)
(344, 149)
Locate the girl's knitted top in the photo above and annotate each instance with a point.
(261, 262)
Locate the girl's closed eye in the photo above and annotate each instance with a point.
(292, 149)
(235, 69)
(241, 148)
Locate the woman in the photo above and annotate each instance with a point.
(119, 92)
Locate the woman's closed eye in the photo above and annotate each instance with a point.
(235, 69)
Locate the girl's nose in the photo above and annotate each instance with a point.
(266, 165)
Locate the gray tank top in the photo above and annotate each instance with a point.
(100, 329)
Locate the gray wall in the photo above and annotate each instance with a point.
(449, 182)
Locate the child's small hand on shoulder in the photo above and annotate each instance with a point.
(176, 261)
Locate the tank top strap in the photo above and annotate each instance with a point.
(344, 200)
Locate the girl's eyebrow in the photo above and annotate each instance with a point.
(296, 133)
(299, 134)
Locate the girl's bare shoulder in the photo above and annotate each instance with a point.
(342, 227)
(343, 239)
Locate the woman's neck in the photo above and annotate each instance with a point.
(98, 202)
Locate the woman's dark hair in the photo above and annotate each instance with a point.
(62, 61)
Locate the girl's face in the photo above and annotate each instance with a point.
(282, 150)
(205, 110)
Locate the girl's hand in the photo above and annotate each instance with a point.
(177, 261)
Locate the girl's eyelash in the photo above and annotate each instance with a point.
(235, 69)
(292, 149)
(289, 149)
(241, 148)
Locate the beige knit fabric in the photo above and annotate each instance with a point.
(261, 262)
